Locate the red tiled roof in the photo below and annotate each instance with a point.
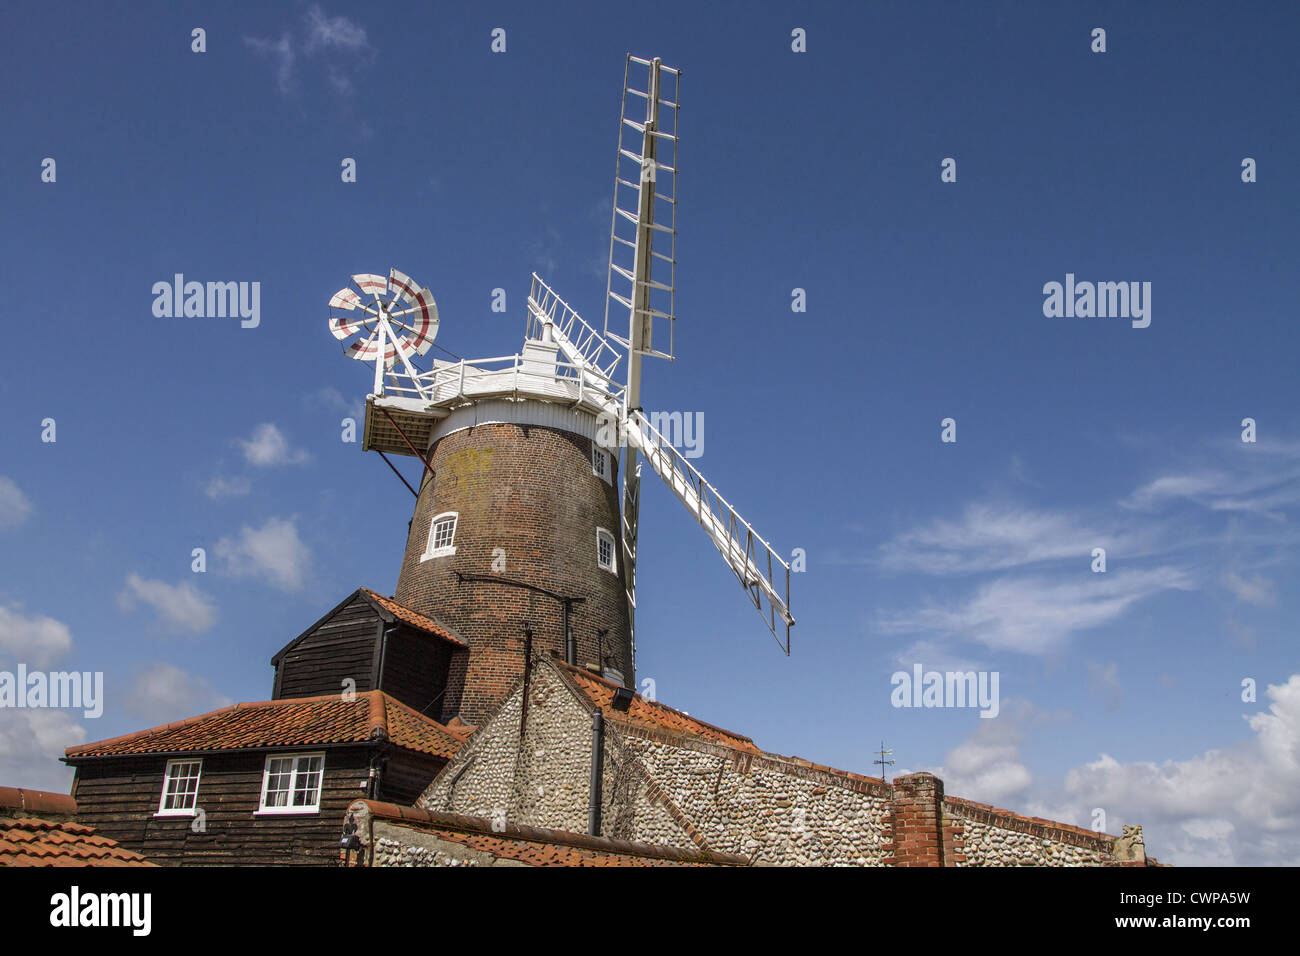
(295, 722)
(405, 614)
(538, 846)
(32, 842)
(649, 713)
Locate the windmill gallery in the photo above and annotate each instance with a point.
(485, 713)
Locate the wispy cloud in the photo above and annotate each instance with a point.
(337, 47)
(15, 507)
(1258, 590)
(281, 54)
(1104, 679)
(274, 551)
(163, 692)
(1263, 479)
(1038, 615)
(181, 606)
(222, 487)
(997, 538)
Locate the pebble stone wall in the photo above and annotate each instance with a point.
(671, 789)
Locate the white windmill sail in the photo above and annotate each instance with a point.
(644, 216)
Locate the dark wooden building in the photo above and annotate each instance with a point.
(269, 782)
(370, 642)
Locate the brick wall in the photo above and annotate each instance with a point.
(530, 491)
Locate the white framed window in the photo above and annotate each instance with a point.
(180, 791)
(600, 465)
(605, 551)
(292, 784)
(442, 536)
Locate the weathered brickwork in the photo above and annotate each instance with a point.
(530, 492)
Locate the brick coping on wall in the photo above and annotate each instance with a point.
(21, 802)
(478, 826)
(1035, 826)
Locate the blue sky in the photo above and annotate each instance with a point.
(817, 170)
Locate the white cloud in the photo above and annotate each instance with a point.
(15, 507)
(1037, 615)
(273, 550)
(31, 743)
(1236, 806)
(161, 693)
(987, 766)
(269, 448)
(1262, 479)
(282, 54)
(1258, 590)
(36, 641)
(340, 43)
(988, 538)
(333, 33)
(221, 487)
(182, 606)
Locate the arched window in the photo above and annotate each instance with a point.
(605, 551)
(442, 536)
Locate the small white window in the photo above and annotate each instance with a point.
(180, 791)
(292, 784)
(605, 550)
(600, 464)
(442, 536)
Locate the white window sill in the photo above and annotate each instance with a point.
(289, 812)
(438, 553)
(187, 814)
(613, 571)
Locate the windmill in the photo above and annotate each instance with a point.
(508, 443)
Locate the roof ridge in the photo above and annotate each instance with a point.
(438, 629)
(378, 713)
(581, 672)
(198, 718)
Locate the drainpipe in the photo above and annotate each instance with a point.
(570, 642)
(597, 771)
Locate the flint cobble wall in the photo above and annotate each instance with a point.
(667, 788)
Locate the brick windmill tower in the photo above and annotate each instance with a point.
(518, 541)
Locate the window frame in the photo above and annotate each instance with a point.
(606, 472)
(289, 809)
(612, 567)
(163, 809)
(448, 549)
